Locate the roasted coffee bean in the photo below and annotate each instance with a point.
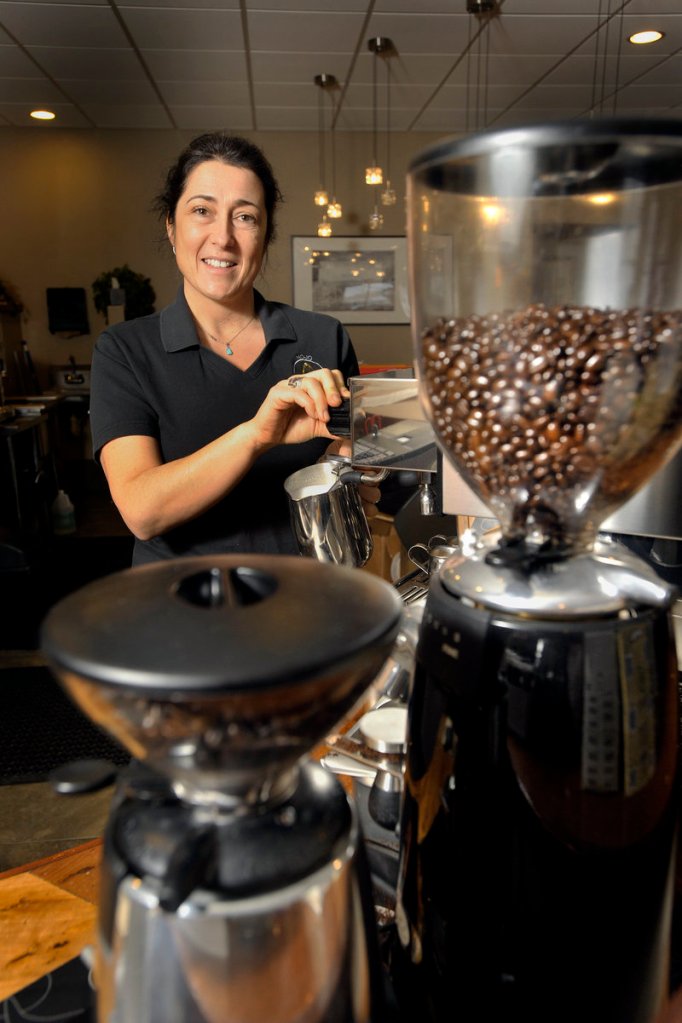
(548, 400)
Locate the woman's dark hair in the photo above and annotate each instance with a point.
(230, 149)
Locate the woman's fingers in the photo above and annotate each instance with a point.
(317, 390)
(308, 394)
(297, 409)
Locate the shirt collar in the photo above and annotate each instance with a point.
(178, 330)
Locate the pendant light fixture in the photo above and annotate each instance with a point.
(374, 175)
(334, 209)
(326, 83)
(321, 197)
(376, 219)
(324, 228)
(388, 196)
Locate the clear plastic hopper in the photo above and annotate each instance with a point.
(546, 285)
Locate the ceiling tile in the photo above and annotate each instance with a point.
(304, 6)
(661, 96)
(298, 67)
(283, 118)
(583, 68)
(100, 91)
(522, 34)
(40, 24)
(91, 62)
(422, 33)
(665, 72)
(191, 5)
(207, 93)
(196, 65)
(185, 30)
(205, 118)
(28, 90)
(138, 115)
(14, 63)
(652, 8)
(410, 96)
(310, 34)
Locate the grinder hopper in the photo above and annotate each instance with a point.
(546, 277)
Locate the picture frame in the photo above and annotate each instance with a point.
(355, 279)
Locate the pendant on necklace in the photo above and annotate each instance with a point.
(228, 350)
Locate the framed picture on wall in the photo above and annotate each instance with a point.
(355, 279)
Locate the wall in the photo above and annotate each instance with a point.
(77, 203)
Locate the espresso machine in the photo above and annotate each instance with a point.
(539, 820)
(234, 886)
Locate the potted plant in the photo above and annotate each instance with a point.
(134, 289)
(9, 303)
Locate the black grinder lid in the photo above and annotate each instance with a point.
(225, 623)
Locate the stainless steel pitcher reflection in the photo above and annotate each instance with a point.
(327, 516)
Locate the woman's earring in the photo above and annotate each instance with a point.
(173, 250)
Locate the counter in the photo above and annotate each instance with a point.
(48, 912)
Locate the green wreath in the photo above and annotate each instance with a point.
(139, 293)
(9, 303)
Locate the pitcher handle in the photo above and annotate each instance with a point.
(415, 560)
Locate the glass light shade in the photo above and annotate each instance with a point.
(374, 176)
(388, 196)
(321, 197)
(324, 228)
(334, 210)
(376, 219)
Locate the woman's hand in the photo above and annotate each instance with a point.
(297, 409)
(154, 496)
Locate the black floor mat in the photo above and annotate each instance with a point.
(40, 728)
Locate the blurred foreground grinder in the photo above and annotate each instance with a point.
(233, 879)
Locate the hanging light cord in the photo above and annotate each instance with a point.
(597, 42)
(467, 124)
(620, 45)
(481, 58)
(374, 104)
(487, 72)
(320, 135)
(605, 61)
(388, 121)
(333, 135)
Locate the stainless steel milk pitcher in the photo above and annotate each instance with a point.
(327, 516)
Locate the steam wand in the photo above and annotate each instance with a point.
(427, 494)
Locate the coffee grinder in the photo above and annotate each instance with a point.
(539, 820)
(233, 880)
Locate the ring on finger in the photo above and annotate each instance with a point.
(294, 381)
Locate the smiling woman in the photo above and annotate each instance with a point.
(192, 417)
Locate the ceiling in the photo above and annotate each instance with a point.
(249, 65)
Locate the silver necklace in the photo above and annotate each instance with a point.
(228, 344)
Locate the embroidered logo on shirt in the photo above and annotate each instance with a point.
(305, 364)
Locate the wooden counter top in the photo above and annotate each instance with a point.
(47, 914)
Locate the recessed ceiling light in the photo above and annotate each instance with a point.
(43, 115)
(649, 36)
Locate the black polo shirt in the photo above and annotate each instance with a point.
(151, 377)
